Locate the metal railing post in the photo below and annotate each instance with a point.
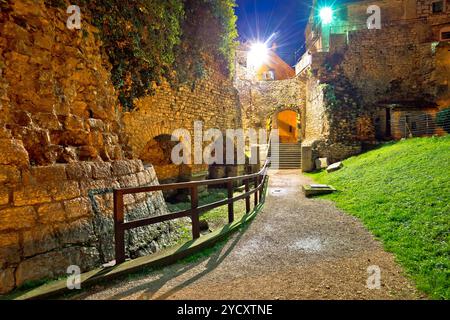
(194, 215)
(230, 205)
(120, 226)
(247, 199)
(118, 229)
(261, 191)
(256, 191)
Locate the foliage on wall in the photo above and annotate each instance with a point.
(214, 33)
(151, 40)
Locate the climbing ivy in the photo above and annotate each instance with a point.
(139, 37)
(151, 40)
(209, 27)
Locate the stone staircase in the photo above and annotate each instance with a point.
(290, 156)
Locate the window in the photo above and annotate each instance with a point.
(438, 7)
(445, 34)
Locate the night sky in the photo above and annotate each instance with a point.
(259, 19)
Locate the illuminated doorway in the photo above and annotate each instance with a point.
(288, 126)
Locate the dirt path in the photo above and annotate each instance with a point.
(296, 248)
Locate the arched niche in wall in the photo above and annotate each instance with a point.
(444, 34)
(158, 150)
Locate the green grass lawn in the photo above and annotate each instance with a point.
(401, 192)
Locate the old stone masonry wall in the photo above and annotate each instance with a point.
(55, 216)
(261, 100)
(212, 100)
(65, 144)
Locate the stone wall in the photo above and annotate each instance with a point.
(55, 216)
(57, 97)
(350, 87)
(261, 100)
(65, 143)
(212, 100)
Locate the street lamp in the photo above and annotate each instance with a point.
(326, 15)
(257, 55)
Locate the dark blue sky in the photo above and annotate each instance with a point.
(286, 18)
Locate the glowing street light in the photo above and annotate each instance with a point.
(258, 55)
(326, 15)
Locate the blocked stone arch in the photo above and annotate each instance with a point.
(157, 152)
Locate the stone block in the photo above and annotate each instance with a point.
(217, 172)
(128, 181)
(314, 190)
(47, 121)
(101, 170)
(55, 263)
(9, 174)
(51, 213)
(87, 186)
(79, 171)
(142, 179)
(77, 208)
(122, 168)
(75, 137)
(307, 159)
(29, 195)
(39, 240)
(7, 281)
(4, 196)
(12, 152)
(87, 153)
(321, 163)
(49, 173)
(9, 248)
(77, 232)
(17, 218)
(136, 166)
(79, 108)
(74, 123)
(64, 190)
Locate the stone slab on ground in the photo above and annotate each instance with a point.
(335, 167)
(314, 190)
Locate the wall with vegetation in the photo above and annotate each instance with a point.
(67, 101)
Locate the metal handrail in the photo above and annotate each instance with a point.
(120, 226)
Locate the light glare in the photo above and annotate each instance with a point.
(257, 55)
(326, 15)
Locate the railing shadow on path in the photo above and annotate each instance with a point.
(152, 288)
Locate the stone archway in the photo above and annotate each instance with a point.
(288, 128)
(288, 120)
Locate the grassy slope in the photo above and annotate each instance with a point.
(401, 192)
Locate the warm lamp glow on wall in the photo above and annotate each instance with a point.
(326, 15)
(257, 55)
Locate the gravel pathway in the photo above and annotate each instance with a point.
(296, 248)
